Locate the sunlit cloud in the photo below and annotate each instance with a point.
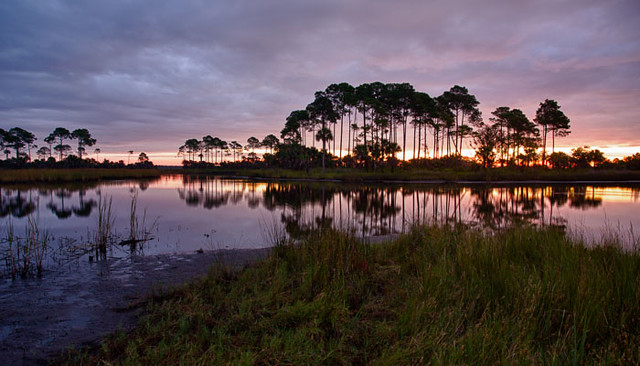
(147, 76)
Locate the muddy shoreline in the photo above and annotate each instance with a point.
(78, 304)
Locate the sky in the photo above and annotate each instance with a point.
(146, 75)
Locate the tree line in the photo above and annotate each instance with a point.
(17, 145)
(373, 124)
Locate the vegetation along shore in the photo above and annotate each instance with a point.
(439, 294)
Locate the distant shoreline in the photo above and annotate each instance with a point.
(535, 175)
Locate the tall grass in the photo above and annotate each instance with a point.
(24, 255)
(139, 231)
(103, 236)
(443, 295)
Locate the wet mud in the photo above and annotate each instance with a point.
(78, 304)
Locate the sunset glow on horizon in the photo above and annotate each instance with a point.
(146, 77)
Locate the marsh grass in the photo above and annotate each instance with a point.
(139, 230)
(24, 255)
(439, 294)
(73, 175)
(103, 236)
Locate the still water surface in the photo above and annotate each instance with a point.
(184, 214)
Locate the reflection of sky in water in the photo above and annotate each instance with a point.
(194, 213)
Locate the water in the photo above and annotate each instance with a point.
(79, 297)
(184, 214)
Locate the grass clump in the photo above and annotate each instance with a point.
(436, 295)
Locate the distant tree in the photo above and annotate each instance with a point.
(632, 162)
(270, 142)
(143, 158)
(43, 152)
(559, 160)
(97, 151)
(191, 147)
(292, 131)
(584, 157)
(321, 111)
(515, 132)
(63, 150)
(422, 112)
(551, 118)
(462, 104)
(252, 144)
(19, 138)
(223, 146)
(129, 156)
(84, 139)
(485, 141)
(3, 140)
(61, 134)
(209, 144)
(236, 148)
(50, 140)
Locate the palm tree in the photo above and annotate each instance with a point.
(128, 157)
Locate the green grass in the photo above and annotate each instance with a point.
(436, 295)
(72, 175)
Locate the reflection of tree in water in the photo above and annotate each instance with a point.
(203, 190)
(372, 210)
(499, 207)
(16, 205)
(584, 198)
(84, 206)
(61, 211)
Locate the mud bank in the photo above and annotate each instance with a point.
(80, 303)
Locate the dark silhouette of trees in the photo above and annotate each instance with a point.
(292, 131)
(61, 134)
(17, 138)
(43, 152)
(270, 142)
(462, 104)
(485, 141)
(191, 147)
(321, 111)
(252, 144)
(515, 133)
(583, 157)
(84, 139)
(551, 119)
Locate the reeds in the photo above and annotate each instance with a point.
(139, 231)
(103, 235)
(24, 256)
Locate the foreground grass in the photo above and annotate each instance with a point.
(436, 295)
(72, 175)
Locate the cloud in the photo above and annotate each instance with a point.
(152, 74)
